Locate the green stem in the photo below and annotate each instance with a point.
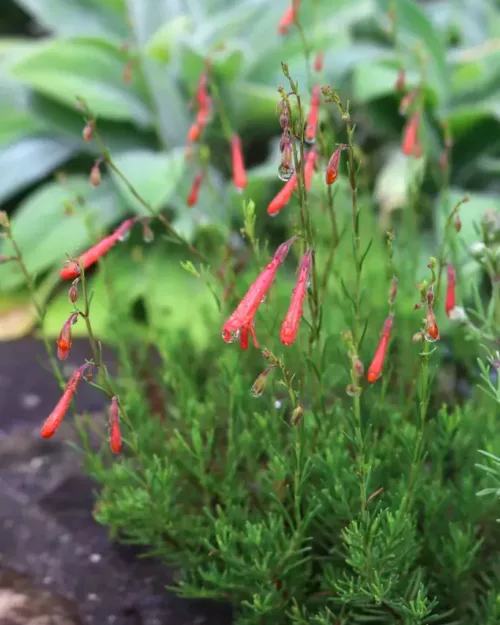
(39, 310)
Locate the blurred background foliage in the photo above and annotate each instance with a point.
(137, 62)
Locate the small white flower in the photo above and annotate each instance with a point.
(458, 315)
(477, 249)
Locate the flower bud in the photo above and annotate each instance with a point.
(358, 368)
(457, 224)
(393, 291)
(88, 132)
(95, 176)
(73, 291)
(297, 415)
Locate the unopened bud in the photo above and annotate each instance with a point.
(88, 132)
(4, 220)
(358, 368)
(430, 296)
(95, 176)
(393, 290)
(418, 337)
(457, 224)
(297, 415)
(73, 291)
(266, 354)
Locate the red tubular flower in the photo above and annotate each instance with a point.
(115, 437)
(410, 135)
(312, 119)
(450, 302)
(311, 159)
(194, 133)
(53, 421)
(287, 20)
(239, 172)
(290, 325)
(377, 364)
(195, 189)
(244, 314)
(318, 61)
(245, 331)
(93, 254)
(332, 170)
(283, 197)
(64, 341)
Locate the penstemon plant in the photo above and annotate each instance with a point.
(303, 464)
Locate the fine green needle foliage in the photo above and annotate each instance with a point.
(304, 421)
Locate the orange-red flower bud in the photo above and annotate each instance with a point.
(377, 364)
(239, 172)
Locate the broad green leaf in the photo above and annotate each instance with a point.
(154, 175)
(15, 124)
(46, 235)
(325, 24)
(30, 159)
(414, 30)
(67, 68)
(79, 17)
(252, 105)
(119, 136)
(163, 42)
(226, 63)
(172, 119)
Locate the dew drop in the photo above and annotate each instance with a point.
(125, 236)
(308, 284)
(230, 337)
(285, 173)
(429, 338)
(257, 390)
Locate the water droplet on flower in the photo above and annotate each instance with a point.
(429, 338)
(308, 284)
(230, 337)
(257, 390)
(285, 173)
(125, 236)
